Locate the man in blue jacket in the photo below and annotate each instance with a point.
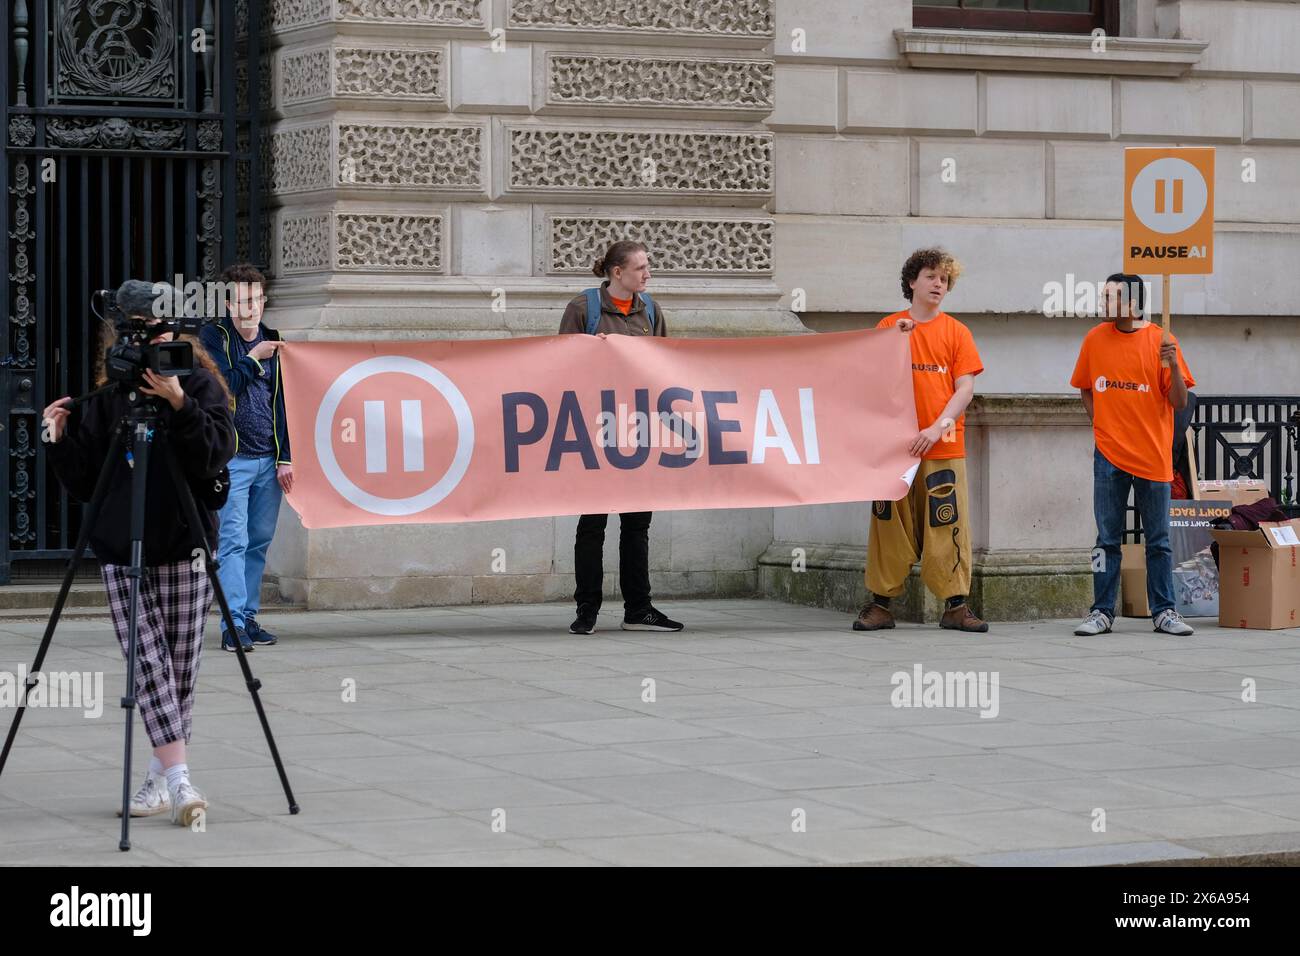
(245, 352)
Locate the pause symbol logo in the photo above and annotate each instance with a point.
(408, 410)
(1169, 195)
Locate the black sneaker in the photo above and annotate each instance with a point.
(227, 644)
(650, 620)
(257, 633)
(585, 622)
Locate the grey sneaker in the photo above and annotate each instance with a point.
(186, 803)
(1097, 622)
(151, 799)
(1170, 621)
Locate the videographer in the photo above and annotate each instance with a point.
(193, 412)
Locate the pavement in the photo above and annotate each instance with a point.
(765, 734)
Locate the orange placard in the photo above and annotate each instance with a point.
(1169, 210)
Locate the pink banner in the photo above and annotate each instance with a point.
(389, 432)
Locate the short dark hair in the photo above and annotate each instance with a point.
(929, 259)
(1130, 287)
(243, 272)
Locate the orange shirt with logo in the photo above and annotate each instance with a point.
(943, 350)
(1132, 420)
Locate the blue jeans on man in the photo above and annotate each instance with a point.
(1110, 488)
(247, 526)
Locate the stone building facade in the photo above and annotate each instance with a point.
(449, 168)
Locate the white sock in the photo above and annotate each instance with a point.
(177, 773)
(155, 768)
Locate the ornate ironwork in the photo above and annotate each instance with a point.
(117, 49)
(1244, 437)
(114, 132)
(209, 135)
(21, 492)
(22, 130)
(20, 52)
(21, 232)
(209, 222)
(147, 195)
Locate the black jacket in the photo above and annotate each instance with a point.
(217, 337)
(202, 435)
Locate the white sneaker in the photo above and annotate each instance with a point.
(151, 799)
(1171, 622)
(1097, 622)
(187, 802)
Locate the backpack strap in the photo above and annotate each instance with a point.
(649, 310)
(593, 309)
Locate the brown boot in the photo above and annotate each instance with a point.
(960, 618)
(873, 617)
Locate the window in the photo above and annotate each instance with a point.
(1037, 16)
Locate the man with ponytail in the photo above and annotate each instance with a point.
(619, 306)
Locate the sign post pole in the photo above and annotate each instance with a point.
(1164, 300)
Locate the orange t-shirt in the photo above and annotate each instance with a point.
(623, 305)
(1132, 420)
(943, 350)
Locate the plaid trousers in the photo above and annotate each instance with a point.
(174, 601)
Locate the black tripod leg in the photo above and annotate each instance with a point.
(139, 485)
(210, 564)
(83, 539)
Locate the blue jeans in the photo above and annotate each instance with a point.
(247, 526)
(1110, 488)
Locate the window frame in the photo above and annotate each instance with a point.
(1104, 14)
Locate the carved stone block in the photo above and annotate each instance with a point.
(678, 246)
(595, 79)
(639, 161)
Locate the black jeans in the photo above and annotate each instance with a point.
(633, 559)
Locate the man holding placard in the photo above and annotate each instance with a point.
(1126, 377)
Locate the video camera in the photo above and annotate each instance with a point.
(139, 312)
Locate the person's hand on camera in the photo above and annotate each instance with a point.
(284, 475)
(55, 418)
(265, 349)
(167, 387)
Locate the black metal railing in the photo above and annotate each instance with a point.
(1244, 436)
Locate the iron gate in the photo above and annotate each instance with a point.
(129, 129)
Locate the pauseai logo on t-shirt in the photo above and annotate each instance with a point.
(921, 367)
(1103, 383)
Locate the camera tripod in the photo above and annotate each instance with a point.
(141, 421)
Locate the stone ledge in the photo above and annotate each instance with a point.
(1012, 410)
(360, 593)
(1005, 585)
(1046, 52)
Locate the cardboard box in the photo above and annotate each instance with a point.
(1240, 491)
(1133, 581)
(1259, 576)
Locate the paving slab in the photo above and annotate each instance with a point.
(488, 735)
